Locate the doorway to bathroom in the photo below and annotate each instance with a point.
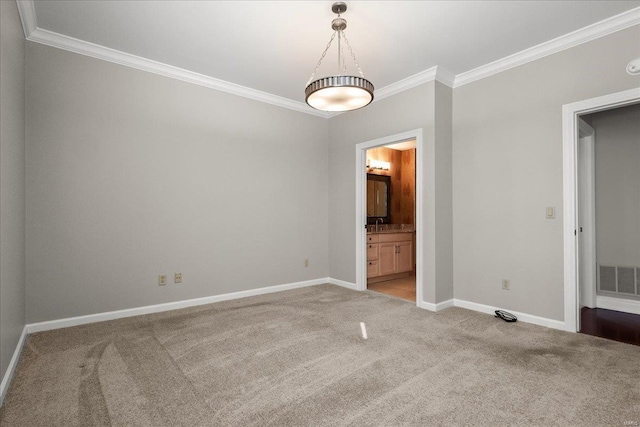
(391, 237)
(390, 213)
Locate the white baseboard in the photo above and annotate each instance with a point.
(6, 380)
(138, 311)
(438, 306)
(342, 283)
(618, 304)
(628, 306)
(523, 317)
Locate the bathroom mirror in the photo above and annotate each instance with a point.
(378, 198)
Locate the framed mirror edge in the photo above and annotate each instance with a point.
(371, 220)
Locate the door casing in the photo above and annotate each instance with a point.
(361, 209)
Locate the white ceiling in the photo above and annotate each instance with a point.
(273, 46)
(403, 146)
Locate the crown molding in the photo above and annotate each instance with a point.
(50, 38)
(582, 35)
(27, 12)
(434, 73)
(619, 22)
(445, 77)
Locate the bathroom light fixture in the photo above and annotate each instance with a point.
(341, 92)
(378, 164)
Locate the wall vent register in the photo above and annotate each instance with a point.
(621, 280)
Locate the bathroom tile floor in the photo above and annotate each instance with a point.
(404, 288)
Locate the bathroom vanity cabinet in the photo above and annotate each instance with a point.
(389, 254)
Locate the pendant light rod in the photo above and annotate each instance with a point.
(338, 25)
(339, 46)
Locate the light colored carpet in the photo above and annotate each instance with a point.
(298, 358)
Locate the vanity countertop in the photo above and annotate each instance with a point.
(391, 231)
(391, 228)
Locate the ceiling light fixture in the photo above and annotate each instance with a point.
(341, 92)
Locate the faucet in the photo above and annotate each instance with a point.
(381, 222)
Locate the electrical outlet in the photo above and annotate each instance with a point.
(162, 280)
(306, 262)
(177, 278)
(506, 284)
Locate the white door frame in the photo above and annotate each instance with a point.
(570, 134)
(586, 203)
(361, 203)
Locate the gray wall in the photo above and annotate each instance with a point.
(507, 167)
(421, 107)
(12, 178)
(443, 130)
(617, 185)
(130, 175)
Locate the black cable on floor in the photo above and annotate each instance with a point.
(506, 316)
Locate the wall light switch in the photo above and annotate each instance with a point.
(162, 280)
(551, 212)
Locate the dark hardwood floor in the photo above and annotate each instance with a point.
(613, 325)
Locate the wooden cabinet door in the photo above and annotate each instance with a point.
(372, 269)
(405, 257)
(387, 258)
(372, 251)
